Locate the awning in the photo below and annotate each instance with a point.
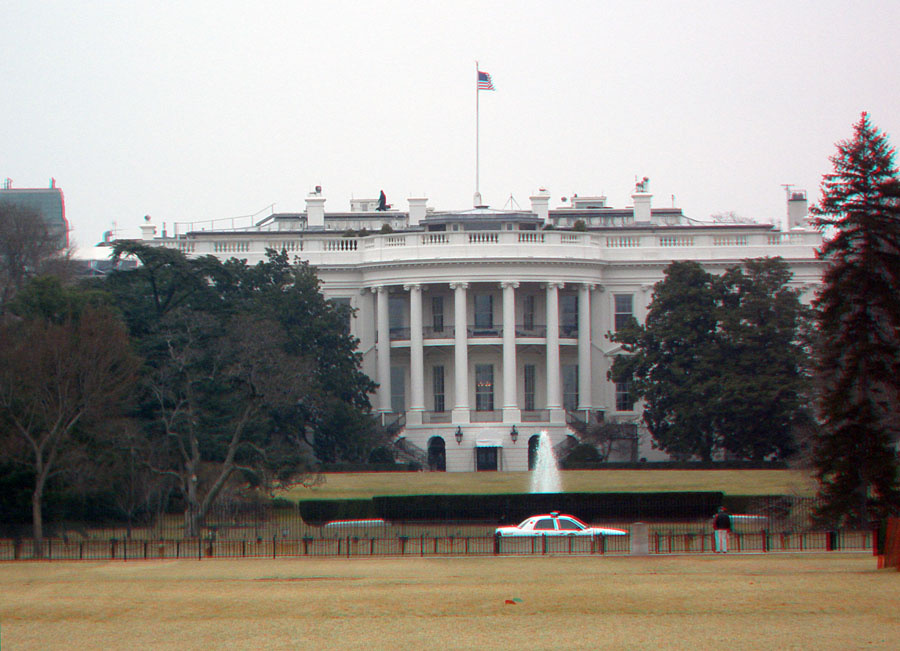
(488, 443)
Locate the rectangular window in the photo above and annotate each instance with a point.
(437, 385)
(624, 402)
(528, 312)
(343, 307)
(437, 313)
(570, 386)
(484, 311)
(398, 389)
(484, 387)
(529, 387)
(396, 305)
(569, 316)
(624, 309)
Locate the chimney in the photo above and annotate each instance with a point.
(540, 205)
(642, 199)
(315, 209)
(417, 210)
(797, 209)
(148, 230)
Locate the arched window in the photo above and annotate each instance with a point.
(532, 450)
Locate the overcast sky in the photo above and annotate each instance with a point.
(190, 111)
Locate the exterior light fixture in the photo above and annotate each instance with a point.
(514, 434)
(458, 435)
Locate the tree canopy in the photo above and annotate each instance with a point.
(858, 359)
(245, 370)
(720, 362)
(64, 360)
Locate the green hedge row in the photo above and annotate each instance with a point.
(510, 508)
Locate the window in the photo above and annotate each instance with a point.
(484, 311)
(437, 385)
(624, 309)
(570, 386)
(544, 525)
(343, 307)
(568, 525)
(624, 401)
(484, 387)
(569, 316)
(528, 312)
(396, 305)
(437, 313)
(398, 389)
(529, 387)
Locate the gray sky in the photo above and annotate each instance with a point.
(197, 110)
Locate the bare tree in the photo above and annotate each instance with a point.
(212, 387)
(27, 248)
(53, 378)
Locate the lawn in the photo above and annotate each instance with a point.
(825, 601)
(732, 482)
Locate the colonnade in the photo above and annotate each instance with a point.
(509, 406)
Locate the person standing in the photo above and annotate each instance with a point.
(722, 525)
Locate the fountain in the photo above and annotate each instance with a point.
(545, 477)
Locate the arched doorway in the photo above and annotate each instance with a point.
(437, 454)
(532, 450)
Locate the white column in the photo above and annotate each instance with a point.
(460, 354)
(383, 352)
(416, 357)
(511, 412)
(554, 395)
(584, 347)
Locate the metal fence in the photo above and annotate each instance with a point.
(430, 545)
(261, 530)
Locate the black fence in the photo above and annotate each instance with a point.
(242, 530)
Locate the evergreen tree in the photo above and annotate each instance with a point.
(859, 322)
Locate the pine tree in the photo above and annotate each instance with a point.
(859, 325)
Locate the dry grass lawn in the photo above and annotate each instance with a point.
(732, 482)
(836, 601)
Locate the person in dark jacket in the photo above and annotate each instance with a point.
(722, 525)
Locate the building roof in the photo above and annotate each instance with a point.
(46, 202)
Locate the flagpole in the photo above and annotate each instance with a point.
(477, 197)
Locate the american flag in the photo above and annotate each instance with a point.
(484, 81)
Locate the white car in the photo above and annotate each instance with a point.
(556, 524)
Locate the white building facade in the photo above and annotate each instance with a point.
(484, 327)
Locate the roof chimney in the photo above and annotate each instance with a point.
(797, 209)
(417, 210)
(315, 209)
(642, 199)
(540, 205)
(148, 230)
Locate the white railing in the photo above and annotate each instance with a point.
(623, 242)
(326, 248)
(232, 246)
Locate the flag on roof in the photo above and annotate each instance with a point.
(484, 81)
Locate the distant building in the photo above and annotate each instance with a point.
(47, 203)
(483, 327)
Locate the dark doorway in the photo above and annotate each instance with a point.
(532, 451)
(437, 454)
(486, 458)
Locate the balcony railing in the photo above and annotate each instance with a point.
(536, 416)
(477, 416)
(478, 332)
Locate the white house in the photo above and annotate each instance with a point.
(483, 327)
